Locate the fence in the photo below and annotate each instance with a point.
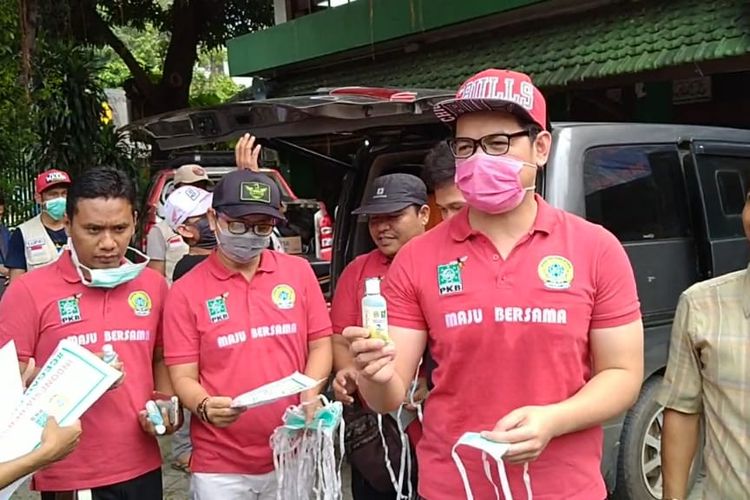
(18, 190)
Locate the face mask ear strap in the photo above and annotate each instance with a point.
(488, 475)
(504, 484)
(501, 472)
(462, 471)
(527, 480)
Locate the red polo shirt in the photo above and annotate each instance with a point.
(243, 335)
(510, 333)
(346, 309)
(49, 304)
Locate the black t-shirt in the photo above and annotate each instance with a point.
(185, 264)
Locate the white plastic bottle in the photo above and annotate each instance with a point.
(375, 311)
(154, 415)
(110, 356)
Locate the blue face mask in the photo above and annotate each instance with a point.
(327, 418)
(55, 207)
(110, 277)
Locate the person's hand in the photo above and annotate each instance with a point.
(420, 394)
(58, 442)
(373, 358)
(171, 427)
(220, 412)
(345, 385)
(246, 153)
(310, 404)
(528, 430)
(28, 373)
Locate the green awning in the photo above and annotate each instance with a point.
(628, 38)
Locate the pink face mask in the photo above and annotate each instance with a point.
(491, 184)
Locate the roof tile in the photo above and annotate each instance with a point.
(623, 39)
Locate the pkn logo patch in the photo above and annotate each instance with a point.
(217, 309)
(449, 277)
(69, 310)
(255, 191)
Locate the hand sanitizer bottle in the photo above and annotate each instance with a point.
(374, 311)
(110, 356)
(154, 415)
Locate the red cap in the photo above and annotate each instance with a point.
(496, 90)
(50, 178)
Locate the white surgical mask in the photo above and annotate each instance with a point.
(496, 451)
(109, 277)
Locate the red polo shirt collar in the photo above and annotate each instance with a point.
(222, 272)
(461, 229)
(67, 269)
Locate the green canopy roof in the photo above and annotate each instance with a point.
(628, 38)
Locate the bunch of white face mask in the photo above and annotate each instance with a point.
(304, 453)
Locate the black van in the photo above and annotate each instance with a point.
(672, 194)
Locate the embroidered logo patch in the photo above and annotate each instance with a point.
(449, 277)
(69, 310)
(283, 296)
(255, 191)
(140, 303)
(217, 309)
(556, 272)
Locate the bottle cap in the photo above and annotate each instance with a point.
(108, 349)
(372, 286)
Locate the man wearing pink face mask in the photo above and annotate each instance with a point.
(531, 314)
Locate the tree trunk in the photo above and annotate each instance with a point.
(182, 53)
(28, 13)
(173, 90)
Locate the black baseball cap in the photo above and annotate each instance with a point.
(391, 193)
(244, 192)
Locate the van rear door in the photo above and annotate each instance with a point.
(721, 171)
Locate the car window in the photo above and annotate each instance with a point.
(636, 192)
(725, 180)
(731, 192)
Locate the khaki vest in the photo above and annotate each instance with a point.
(176, 249)
(38, 246)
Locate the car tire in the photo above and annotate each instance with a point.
(639, 463)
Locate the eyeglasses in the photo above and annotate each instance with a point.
(242, 227)
(493, 144)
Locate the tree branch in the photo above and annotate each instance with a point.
(140, 76)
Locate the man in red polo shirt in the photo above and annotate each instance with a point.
(244, 317)
(532, 314)
(94, 296)
(397, 211)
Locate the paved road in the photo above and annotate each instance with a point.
(176, 483)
